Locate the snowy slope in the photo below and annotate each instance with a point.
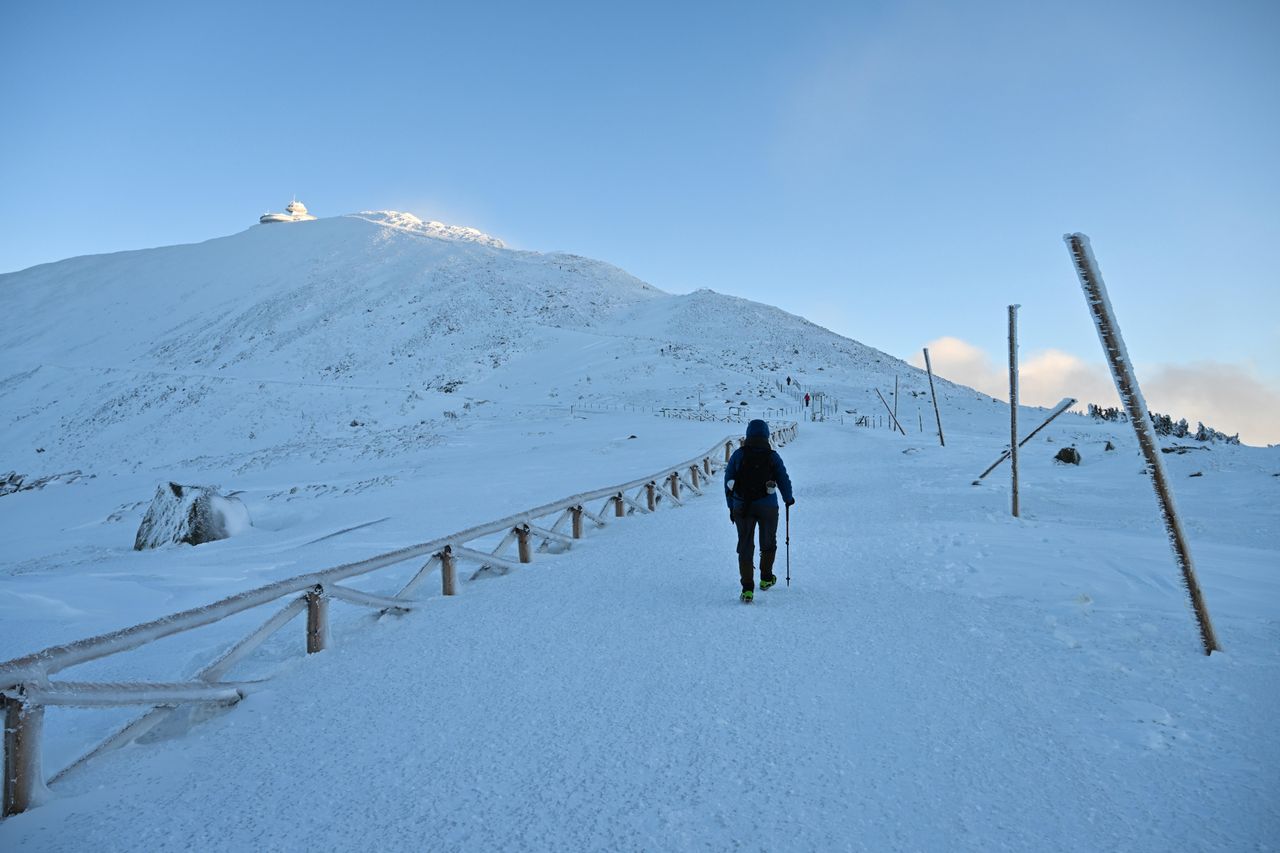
(281, 335)
(937, 676)
(943, 676)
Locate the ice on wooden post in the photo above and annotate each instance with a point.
(1104, 320)
(577, 521)
(317, 620)
(1013, 404)
(448, 572)
(651, 492)
(522, 540)
(23, 775)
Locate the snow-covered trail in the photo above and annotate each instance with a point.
(619, 697)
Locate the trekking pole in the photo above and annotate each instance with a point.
(788, 544)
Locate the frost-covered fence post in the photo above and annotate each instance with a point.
(1104, 319)
(651, 492)
(1013, 402)
(577, 521)
(675, 485)
(728, 450)
(448, 572)
(619, 510)
(706, 465)
(934, 396)
(695, 476)
(523, 543)
(23, 776)
(317, 620)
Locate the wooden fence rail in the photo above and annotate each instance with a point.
(26, 688)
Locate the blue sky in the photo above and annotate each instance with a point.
(899, 172)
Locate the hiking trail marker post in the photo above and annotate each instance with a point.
(1013, 403)
(1104, 319)
(934, 396)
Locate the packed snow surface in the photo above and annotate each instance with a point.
(937, 676)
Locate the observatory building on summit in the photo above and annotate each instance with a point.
(295, 212)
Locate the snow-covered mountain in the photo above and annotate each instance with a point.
(280, 334)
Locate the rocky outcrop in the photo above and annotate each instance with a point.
(13, 482)
(190, 514)
(1068, 456)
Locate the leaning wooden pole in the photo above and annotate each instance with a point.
(1095, 293)
(893, 420)
(1067, 402)
(1013, 402)
(934, 395)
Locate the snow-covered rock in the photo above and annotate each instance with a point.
(190, 514)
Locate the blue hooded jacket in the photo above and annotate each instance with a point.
(757, 441)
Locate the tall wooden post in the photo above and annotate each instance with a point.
(317, 620)
(448, 572)
(728, 450)
(1095, 293)
(695, 476)
(619, 508)
(577, 521)
(651, 490)
(675, 485)
(1013, 402)
(522, 542)
(934, 395)
(706, 465)
(23, 776)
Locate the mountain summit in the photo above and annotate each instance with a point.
(282, 333)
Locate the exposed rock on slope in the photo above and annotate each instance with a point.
(189, 514)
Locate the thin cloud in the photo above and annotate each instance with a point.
(1227, 397)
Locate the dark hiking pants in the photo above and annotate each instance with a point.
(746, 518)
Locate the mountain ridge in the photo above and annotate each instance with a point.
(205, 339)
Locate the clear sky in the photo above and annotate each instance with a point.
(899, 172)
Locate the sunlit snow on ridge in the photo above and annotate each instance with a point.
(431, 228)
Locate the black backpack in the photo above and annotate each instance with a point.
(754, 471)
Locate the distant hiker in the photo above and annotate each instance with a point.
(752, 478)
(806, 400)
(788, 380)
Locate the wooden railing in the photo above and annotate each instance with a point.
(25, 685)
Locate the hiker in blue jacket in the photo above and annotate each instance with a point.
(752, 478)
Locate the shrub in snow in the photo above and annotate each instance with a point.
(190, 514)
(1068, 455)
(1165, 425)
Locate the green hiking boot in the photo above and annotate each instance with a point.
(747, 596)
(767, 577)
